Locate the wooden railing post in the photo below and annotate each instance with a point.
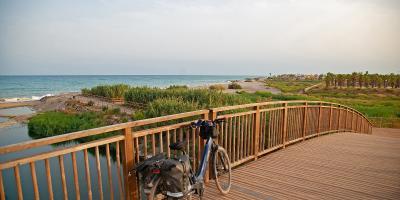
(256, 133)
(285, 113)
(361, 124)
(330, 117)
(128, 162)
(370, 129)
(352, 121)
(319, 118)
(345, 120)
(305, 120)
(338, 119)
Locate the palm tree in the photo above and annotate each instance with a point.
(353, 79)
(392, 80)
(374, 80)
(328, 79)
(340, 80)
(348, 80)
(360, 79)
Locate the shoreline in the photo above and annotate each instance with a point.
(250, 87)
(58, 101)
(247, 86)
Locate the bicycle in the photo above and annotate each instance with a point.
(221, 167)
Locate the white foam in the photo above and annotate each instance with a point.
(41, 97)
(22, 99)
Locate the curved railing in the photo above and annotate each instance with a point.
(100, 168)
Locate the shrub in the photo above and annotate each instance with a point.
(234, 85)
(90, 103)
(85, 91)
(138, 115)
(219, 87)
(115, 111)
(248, 80)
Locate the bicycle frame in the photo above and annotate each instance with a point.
(204, 160)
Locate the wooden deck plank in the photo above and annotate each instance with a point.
(335, 166)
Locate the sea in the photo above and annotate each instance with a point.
(15, 88)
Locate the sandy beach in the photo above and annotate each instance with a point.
(250, 87)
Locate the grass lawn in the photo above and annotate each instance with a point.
(384, 105)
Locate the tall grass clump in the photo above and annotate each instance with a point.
(108, 91)
(166, 106)
(203, 97)
(56, 123)
(144, 95)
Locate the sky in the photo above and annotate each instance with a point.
(221, 37)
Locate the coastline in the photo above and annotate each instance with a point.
(58, 101)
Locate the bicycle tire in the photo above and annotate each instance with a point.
(221, 154)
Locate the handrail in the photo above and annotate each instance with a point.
(94, 131)
(249, 131)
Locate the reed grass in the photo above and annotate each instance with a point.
(108, 91)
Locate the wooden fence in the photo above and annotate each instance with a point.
(249, 131)
(385, 122)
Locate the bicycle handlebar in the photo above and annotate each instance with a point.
(206, 123)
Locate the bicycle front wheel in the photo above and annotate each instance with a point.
(222, 170)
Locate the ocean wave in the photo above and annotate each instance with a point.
(22, 99)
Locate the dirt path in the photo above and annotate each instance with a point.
(102, 103)
(309, 88)
(255, 86)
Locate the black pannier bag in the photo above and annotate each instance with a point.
(208, 130)
(175, 176)
(143, 168)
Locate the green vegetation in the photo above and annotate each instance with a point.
(371, 102)
(56, 123)
(234, 85)
(370, 99)
(203, 97)
(361, 80)
(108, 91)
(290, 86)
(377, 106)
(165, 106)
(160, 102)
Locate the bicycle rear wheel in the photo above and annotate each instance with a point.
(222, 170)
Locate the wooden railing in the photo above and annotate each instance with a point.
(248, 132)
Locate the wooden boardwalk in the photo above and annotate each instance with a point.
(336, 166)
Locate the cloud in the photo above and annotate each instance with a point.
(253, 37)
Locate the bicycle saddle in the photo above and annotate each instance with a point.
(178, 145)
